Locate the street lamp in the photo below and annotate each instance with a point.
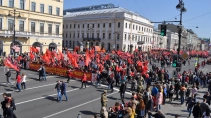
(14, 14)
(181, 7)
(115, 33)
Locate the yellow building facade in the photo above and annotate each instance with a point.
(38, 23)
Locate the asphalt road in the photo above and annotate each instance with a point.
(39, 99)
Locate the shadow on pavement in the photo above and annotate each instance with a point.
(36, 79)
(88, 112)
(50, 98)
(6, 89)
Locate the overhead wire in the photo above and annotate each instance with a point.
(197, 17)
(139, 7)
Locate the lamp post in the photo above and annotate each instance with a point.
(14, 12)
(182, 9)
(115, 33)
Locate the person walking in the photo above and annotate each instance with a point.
(44, 73)
(8, 75)
(58, 88)
(104, 99)
(83, 81)
(182, 94)
(159, 99)
(197, 111)
(23, 81)
(63, 90)
(9, 111)
(40, 73)
(122, 90)
(18, 82)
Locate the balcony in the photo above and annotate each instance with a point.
(91, 39)
(28, 34)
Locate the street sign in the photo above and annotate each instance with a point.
(185, 56)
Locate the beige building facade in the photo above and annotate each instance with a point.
(38, 23)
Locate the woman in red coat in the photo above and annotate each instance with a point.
(18, 82)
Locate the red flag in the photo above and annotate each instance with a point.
(10, 65)
(88, 59)
(61, 55)
(55, 55)
(31, 56)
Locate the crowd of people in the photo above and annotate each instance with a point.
(149, 89)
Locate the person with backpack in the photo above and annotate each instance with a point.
(8, 75)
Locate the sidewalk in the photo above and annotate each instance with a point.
(170, 109)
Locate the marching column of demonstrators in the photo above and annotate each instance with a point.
(150, 88)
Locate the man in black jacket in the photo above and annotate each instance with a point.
(58, 88)
(8, 75)
(122, 90)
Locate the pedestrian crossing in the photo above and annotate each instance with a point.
(205, 69)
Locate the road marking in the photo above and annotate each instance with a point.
(45, 97)
(77, 106)
(35, 87)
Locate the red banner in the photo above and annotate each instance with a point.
(61, 71)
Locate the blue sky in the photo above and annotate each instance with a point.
(198, 11)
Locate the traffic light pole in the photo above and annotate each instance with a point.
(180, 32)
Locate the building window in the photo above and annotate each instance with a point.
(109, 35)
(87, 35)
(11, 3)
(50, 29)
(117, 36)
(142, 29)
(138, 38)
(66, 35)
(128, 37)
(109, 25)
(41, 28)
(50, 10)
(98, 25)
(21, 4)
(57, 11)
(32, 27)
(83, 25)
(78, 35)
(82, 35)
(118, 24)
(136, 27)
(66, 26)
(70, 35)
(10, 24)
(57, 30)
(103, 25)
(92, 35)
(42, 8)
(70, 44)
(78, 26)
(0, 23)
(66, 43)
(70, 26)
(93, 25)
(125, 36)
(33, 6)
(103, 35)
(73, 35)
(98, 35)
(74, 26)
(125, 25)
(0, 2)
(139, 28)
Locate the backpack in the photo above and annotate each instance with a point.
(9, 74)
(172, 91)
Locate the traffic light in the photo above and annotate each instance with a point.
(163, 30)
(174, 62)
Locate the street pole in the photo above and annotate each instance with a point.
(14, 32)
(180, 32)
